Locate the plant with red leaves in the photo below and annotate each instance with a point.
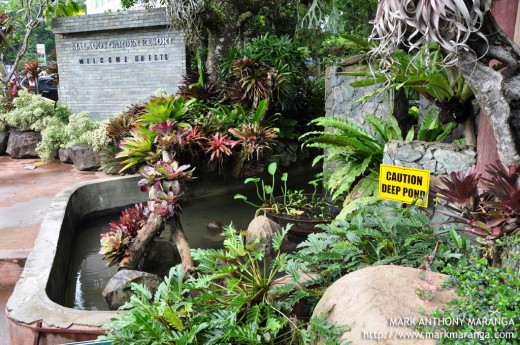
(219, 146)
(490, 214)
(116, 242)
(254, 138)
(32, 67)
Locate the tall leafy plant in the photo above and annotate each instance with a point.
(355, 155)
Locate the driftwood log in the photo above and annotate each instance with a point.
(153, 228)
(181, 243)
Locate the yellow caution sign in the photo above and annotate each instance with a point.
(407, 185)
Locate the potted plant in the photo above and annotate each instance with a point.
(303, 210)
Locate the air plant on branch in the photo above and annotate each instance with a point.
(414, 23)
(163, 181)
(117, 240)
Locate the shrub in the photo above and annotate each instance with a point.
(226, 301)
(488, 305)
(81, 130)
(29, 111)
(54, 136)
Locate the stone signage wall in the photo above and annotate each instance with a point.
(111, 60)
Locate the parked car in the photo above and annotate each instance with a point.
(48, 87)
(44, 85)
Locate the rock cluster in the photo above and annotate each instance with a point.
(438, 158)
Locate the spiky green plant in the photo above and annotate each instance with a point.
(422, 71)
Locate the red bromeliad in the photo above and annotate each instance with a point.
(219, 146)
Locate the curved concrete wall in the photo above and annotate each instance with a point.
(36, 294)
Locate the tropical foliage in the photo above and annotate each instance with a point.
(270, 68)
(423, 72)
(116, 242)
(194, 134)
(484, 293)
(228, 300)
(355, 154)
(370, 237)
(490, 213)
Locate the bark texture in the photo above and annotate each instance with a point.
(498, 92)
(180, 241)
(144, 238)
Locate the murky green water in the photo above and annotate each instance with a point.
(89, 273)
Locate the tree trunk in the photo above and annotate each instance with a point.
(498, 93)
(142, 241)
(217, 45)
(222, 31)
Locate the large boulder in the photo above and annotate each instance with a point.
(84, 157)
(23, 144)
(381, 304)
(4, 138)
(117, 291)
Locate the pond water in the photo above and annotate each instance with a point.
(88, 273)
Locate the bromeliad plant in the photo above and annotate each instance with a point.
(119, 128)
(168, 125)
(490, 213)
(164, 183)
(115, 243)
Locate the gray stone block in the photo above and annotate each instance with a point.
(118, 290)
(83, 157)
(23, 144)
